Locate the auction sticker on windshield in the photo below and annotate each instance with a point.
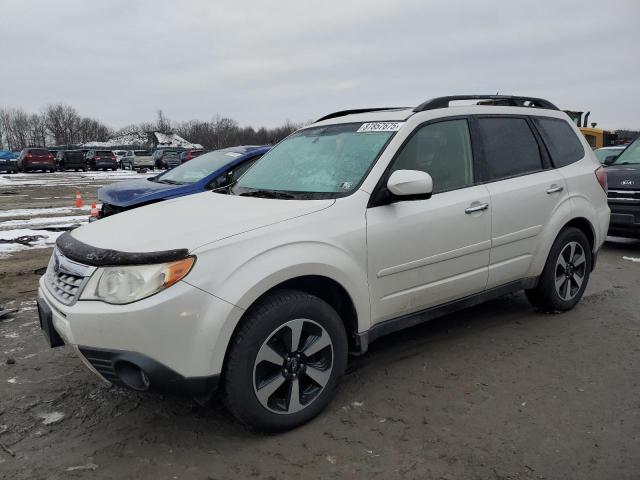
(380, 127)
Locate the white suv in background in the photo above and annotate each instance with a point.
(363, 223)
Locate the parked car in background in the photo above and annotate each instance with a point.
(210, 171)
(623, 173)
(70, 160)
(101, 160)
(32, 159)
(8, 161)
(138, 159)
(167, 157)
(119, 154)
(358, 225)
(189, 155)
(609, 152)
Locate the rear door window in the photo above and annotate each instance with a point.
(510, 147)
(561, 141)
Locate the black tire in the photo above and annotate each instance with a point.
(261, 323)
(546, 296)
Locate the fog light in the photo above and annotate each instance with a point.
(132, 376)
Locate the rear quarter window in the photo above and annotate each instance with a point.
(561, 141)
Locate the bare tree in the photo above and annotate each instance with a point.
(61, 124)
(162, 123)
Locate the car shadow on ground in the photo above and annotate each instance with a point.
(214, 422)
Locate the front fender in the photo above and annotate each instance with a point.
(244, 282)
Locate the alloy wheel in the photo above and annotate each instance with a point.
(293, 366)
(570, 270)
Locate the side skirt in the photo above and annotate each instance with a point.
(363, 339)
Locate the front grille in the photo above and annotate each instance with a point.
(624, 195)
(66, 278)
(65, 287)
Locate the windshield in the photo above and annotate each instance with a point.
(603, 153)
(631, 156)
(327, 161)
(200, 167)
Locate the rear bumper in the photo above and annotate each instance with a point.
(101, 164)
(38, 165)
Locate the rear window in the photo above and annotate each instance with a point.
(38, 151)
(75, 154)
(104, 153)
(142, 153)
(510, 147)
(561, 141)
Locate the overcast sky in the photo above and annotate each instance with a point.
(263, 62)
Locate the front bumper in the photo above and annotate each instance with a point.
(170, 336)
(139, 372)
(625, 219)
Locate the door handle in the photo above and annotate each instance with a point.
(476, 207)
(555, 189)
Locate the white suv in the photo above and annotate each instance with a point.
(363, 223)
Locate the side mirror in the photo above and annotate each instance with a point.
(410, 184)
(610, 160)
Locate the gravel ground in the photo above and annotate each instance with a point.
(497, 391)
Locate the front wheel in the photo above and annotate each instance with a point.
(285, 362)
(566, 272)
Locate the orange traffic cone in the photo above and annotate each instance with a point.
(94, 210)
(78, 200)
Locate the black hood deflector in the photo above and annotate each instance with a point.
(80, 252)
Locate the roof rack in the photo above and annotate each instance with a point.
(342, 113)
(504, 100)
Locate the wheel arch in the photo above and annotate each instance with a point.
(323, 287)
(585, 226)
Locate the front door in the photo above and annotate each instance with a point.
(423, 253)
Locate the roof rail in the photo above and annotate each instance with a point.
(506, 100)
(342, 113)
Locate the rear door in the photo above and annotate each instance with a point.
(524, 189)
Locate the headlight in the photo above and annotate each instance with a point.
(128, 284)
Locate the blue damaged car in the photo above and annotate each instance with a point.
(210, 171)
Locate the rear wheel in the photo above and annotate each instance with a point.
(285, 362)
(566, 272)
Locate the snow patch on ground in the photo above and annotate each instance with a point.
(632, 259)
(44, 221)
(39, 212)
(51, 418)
(69, 178)
(48, 240)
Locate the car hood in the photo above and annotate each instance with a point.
(131, 192)
(191, 222)
(623, 177)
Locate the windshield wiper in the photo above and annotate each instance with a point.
(170, 182)
(267, 194)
